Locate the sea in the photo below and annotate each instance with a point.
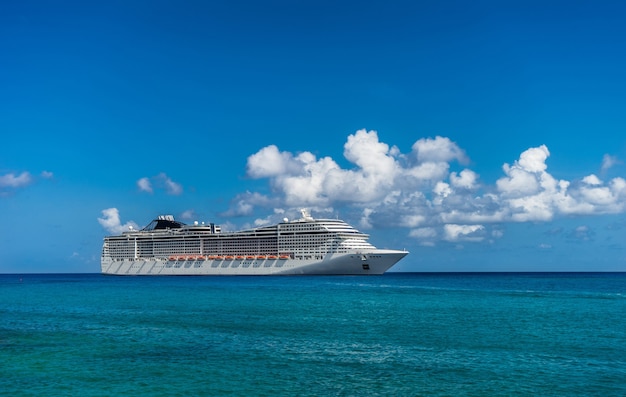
(399, 334)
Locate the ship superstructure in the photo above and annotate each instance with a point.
(303, 246)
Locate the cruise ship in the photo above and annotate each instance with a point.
(305, 246)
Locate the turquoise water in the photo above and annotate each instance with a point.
(391, 335)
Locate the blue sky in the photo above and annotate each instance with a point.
(480, 136)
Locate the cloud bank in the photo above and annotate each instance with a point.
(418, 190)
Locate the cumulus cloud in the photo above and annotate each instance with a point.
(466, 179)
(306, 180)
(160, 181)
(110, 221)
(427, 190)
(270, 162)
(438, 150)
(523, 178)
(530, 193)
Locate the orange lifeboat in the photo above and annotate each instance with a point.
(229, 257)
(260, 256)
(272, 257)
(239, 257)
(283, 257)
(172, 258)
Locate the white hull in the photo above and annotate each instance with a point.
(370, 263)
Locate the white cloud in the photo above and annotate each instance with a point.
(442, 189)
(618, 187)
(11, 181)
(532, 194)
(497, 233)
(365, 222)
(161, 181)
(370, 155)
(144, 185)
(425, 236)
(604, 198)
(463, 232)
(14, 181)
(581, 233)
(438, 150)
(188, 215)
(110, 221)
(592, 180)
(306, 180)
(518, 182)
(534, 159)
(609, 161)
(524, 177)
(412, 220)
(423, 233)
(270, 162)
(428, 171)
(312, 181)
(277, 216)
(531, 208)
(47, 175)
(423, 191)
(465, 180)
(171, 187)
(243, 204)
